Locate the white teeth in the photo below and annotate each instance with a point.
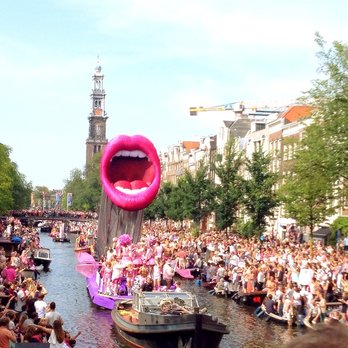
(130, 192)
(135, 153)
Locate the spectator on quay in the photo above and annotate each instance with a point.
(52, 314)
(57, 334)
(69, 340)
(40, 306)
(6, 335)
(9, 273)
(21, 298)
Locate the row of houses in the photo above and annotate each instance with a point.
(275, 130)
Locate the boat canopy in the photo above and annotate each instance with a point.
(144, 300)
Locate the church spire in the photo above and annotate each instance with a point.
(97, 118)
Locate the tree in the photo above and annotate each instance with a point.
(6, 198)
(329, 96)
(198, 193)
(308, 194)
(85, 186)
(230, 189)
(175, 210)
(260, 198)
(14, 190)
(159, 207)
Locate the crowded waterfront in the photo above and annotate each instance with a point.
(300, 285)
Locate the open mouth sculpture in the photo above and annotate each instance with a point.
(130, 172)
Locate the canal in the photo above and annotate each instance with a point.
(68, 289)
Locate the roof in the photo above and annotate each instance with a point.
(296, 112)
(240, 127)
(190, 145)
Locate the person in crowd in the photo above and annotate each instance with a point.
(52, 315)
(148, 285)
(70, 341)
(57, 334)
(178, 286)
(270, 304)
(40, 306)
(21, 297)
(168, 274)
(6, 335)
(9, 273)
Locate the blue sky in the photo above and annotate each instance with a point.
(158, 57)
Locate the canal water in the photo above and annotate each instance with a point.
(68, 289)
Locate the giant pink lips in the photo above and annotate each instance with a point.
(130, 171)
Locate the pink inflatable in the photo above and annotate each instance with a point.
(130, 172)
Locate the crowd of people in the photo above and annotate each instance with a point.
(25, 316)
(298, 279)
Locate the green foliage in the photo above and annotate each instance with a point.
(195, 230)
(230, 189)
(245, 228)
(260, 199)
(329, 95)
(341, 223)
(198, 194)
(307, 193)
(6, 198)
(159, 207)
(14, 190)
(85, 187)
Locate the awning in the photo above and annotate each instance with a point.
(286, 221)
(321, 232)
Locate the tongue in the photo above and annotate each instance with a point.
(138, 184)
(123, 183)
(134, 185)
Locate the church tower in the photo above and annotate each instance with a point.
(96, 140)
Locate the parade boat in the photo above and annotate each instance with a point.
(166, 319)
(262, 313)
(254, 298)
(88, 267)
(84, 249)
(83, 245)
(58, 239)
(42, 257)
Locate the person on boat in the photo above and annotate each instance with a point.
(82, 241)
(269, 304)
(117, 274)
(220, 287)
(148, 285)
(168, 273)
(157, 273)
(178, 286)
